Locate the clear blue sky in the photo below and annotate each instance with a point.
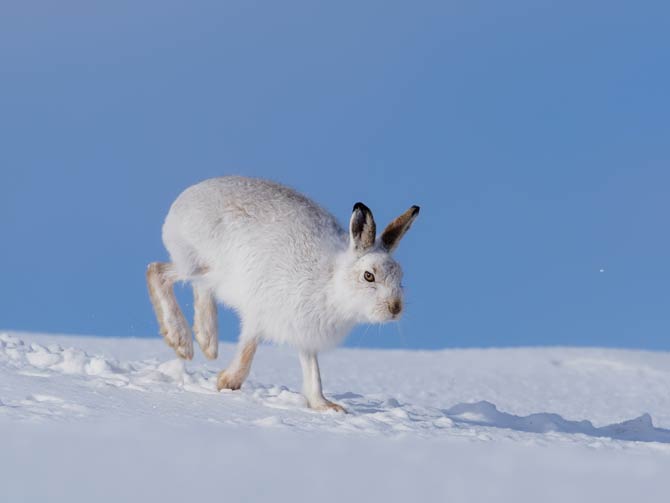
(535, 135)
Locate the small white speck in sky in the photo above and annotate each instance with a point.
(602, 270)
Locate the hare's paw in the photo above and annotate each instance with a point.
(178, 337)
(229, 380)
(326, 405)
(209, 343)
(185, 351)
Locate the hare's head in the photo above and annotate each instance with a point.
(370, 279)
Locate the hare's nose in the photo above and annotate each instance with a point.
(395, 306)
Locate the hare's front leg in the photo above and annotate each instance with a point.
(238, 370)
(311, 384)
(173, 325)
(205, 326)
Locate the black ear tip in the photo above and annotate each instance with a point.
(360, 206)
(415, 210)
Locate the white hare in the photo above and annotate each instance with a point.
(283, 263)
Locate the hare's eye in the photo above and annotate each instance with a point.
(369, 277)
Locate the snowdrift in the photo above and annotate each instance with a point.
(120, 419)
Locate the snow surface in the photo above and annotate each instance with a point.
(115, 419)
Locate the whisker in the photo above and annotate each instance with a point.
(401, 333)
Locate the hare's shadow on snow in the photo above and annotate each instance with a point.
(639, 429)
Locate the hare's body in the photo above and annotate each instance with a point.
(268, 253)
(282, 262)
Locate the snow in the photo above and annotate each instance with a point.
(117, 419)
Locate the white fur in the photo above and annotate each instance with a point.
(281, 261)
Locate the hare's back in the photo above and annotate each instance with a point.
(246, 213)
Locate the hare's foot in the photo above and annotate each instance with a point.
(208, 345)
(205, 326)
(326, 405)
(237, 372)
(229, 380)
(178, 337)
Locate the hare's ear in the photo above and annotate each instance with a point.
(362, 228)
(397, 229)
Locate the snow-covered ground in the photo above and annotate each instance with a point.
(107, 419)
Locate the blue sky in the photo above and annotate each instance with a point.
(533, 134)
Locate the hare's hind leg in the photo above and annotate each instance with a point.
(173, 325)
(238, 370)
(205, 325)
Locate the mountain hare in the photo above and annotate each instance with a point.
(293, 274)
